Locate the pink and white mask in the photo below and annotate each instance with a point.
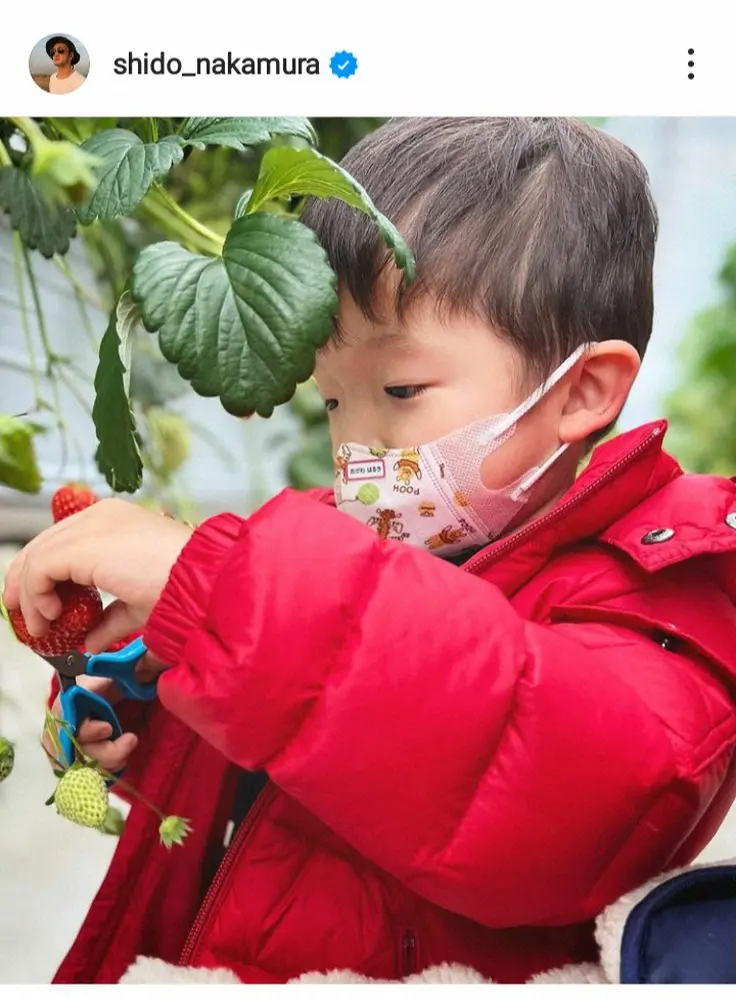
(431, 496)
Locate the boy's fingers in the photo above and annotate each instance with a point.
(39, 601)
(112, 754)
(93, 730)
(117, 621)
(14, 578)
(149, 668)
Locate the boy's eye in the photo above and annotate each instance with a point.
(404, 391)
(330, 404)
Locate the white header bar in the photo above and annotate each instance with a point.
(468, 57)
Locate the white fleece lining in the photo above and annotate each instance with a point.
(609, 930)
(154, 972)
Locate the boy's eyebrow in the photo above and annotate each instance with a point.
(387, 337)
(393, 338)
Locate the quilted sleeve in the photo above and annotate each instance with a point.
(505, 770)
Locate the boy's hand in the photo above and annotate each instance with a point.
(113, 545)
(93, 736)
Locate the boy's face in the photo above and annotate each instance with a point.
(398, 385)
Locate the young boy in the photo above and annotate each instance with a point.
(459, 715)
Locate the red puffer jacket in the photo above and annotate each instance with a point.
(465, 764)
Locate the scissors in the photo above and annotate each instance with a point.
(78, 704)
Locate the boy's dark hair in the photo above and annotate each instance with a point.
(544, 227)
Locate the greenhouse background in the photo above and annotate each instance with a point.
(49, 870)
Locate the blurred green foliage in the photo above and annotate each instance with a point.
(702, 411)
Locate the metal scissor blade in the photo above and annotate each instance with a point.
(69, 665)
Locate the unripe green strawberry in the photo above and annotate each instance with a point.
(7, 758)
(82, 797)
(170, 440)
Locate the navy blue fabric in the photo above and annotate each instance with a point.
(684, 931)
(250, 785)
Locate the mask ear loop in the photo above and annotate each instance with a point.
(509, 419)
(534, 475)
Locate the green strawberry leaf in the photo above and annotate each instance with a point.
(287, 172)
(245, 326)
(79, 128)
(42, 224)
(127, 169)
(128, 317)
(239, 133)
(118, 456)
(242, 204)
(18, 466)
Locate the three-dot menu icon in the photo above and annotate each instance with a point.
(691, 64)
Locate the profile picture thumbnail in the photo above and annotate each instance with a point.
(59, 64)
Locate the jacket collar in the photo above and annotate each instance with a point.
(633, 496)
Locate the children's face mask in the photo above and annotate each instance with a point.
(431, 496)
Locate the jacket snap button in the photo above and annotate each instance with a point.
(658, 535)
(731, 519)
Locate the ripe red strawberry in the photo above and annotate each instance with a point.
(70, 499)
(81, 609)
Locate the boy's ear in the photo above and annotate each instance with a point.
(597, 393)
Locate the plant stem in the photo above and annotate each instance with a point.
(65, 133)
(159, 214)
(69, 383)
(77, 285)
(51, 358)
(27, 334)
(205, 434)
(63, 724)
(165, 198)
(133, 791)
(80, 294)
(43, 332)
(5, 160)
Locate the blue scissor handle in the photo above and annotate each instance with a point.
(120, 667)
(77, 705)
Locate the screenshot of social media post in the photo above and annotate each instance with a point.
(367, 499)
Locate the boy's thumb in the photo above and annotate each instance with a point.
(117, 621)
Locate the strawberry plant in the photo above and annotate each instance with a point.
(82, 791)
(234, 309)
(239, 315)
